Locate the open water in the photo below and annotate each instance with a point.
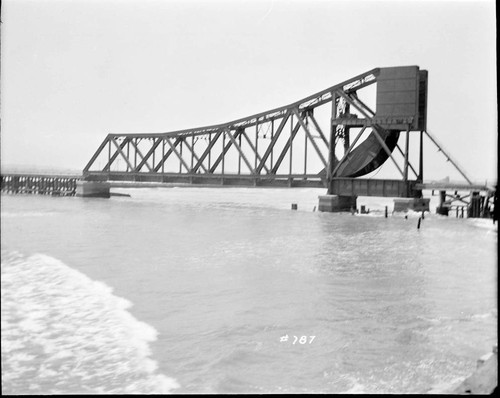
(198, 290)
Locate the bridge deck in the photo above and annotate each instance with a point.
(292, 180)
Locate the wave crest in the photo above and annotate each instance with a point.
(63, 332)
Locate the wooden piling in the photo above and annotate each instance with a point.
(38, 184)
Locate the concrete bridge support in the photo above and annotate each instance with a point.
(336, 203)
(93, 189)
(415, 204)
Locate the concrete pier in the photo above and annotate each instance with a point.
(93, 189)
(336, 203)
(415, 204)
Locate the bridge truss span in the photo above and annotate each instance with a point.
(295, 145)
(259, 154)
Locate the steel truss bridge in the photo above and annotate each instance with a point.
(305, 144)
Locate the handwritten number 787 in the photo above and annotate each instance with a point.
(303, 339)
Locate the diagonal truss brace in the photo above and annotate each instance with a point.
(386, 148)
(238, 148)
(286, 148)
(318, 129)
(348, 151)
(191, 149)
(440, 147)
(309, 135)
(115, 155)
(224, 149)
(174, 149)
(119, 149)
(409, 164)
(96, 154)
(144, 161)
(169, 152)
(148, 155)
(254, 149)
(273, 142)
(207, 151)
(354, 104)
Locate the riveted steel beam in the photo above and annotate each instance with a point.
(274, 139)
(440, 147)
(119, 149)
(194, 156)
(309, 135)
(96, 154)
(348, 151)
(386, 148)
(254, 149)
(168, 153)
(286, 148)
(138, 152)
(351, 102)
(207, 152)
(409, 163)
(225, 148)
(149, 153)
(112, 158)
(318, 129)
(238, 148)
(179, 156)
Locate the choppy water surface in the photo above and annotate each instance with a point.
(195, 290)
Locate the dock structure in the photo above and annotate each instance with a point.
(39, 184)
(463, 200)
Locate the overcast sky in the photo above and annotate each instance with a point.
(73, 71)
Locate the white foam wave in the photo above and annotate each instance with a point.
(63, 332)
(493, 313)
(486, 223)
(356, 388)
